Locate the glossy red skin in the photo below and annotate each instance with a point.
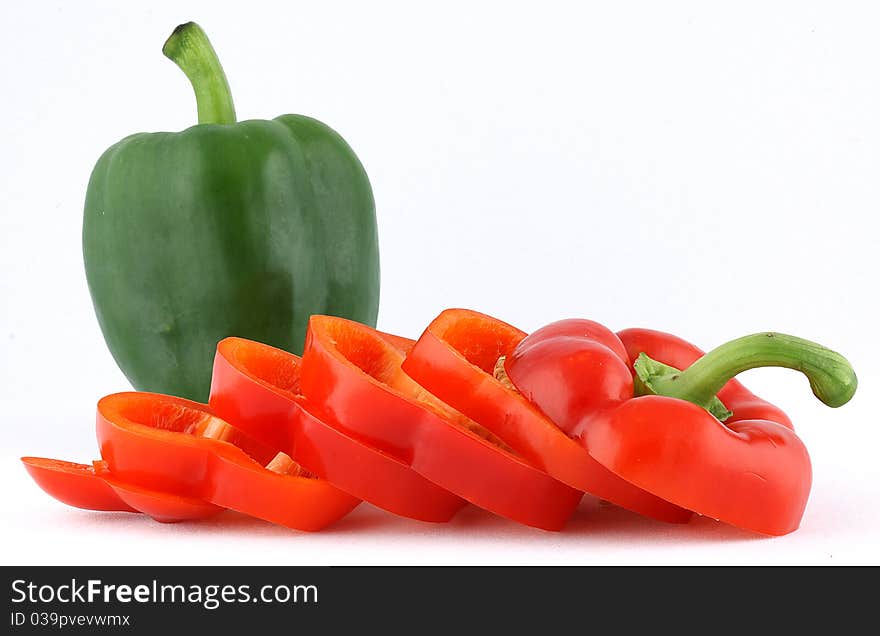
(255, 387)
(74, 484)
(376, 402)
(143, 440)
(578, 328)
(455, 358)
(755, 471)
(751, 473)
(551, 374)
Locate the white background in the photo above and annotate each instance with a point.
(703, 170)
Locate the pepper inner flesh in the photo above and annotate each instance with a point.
(500, 374)
(480, 340)
(171, 416)
(283, 464)
(272, 366)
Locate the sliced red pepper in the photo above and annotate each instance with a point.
(92, 487)
(355, 374)
(164, 507)
(455, 359)
(74, 484)
(256, 388)
(670, 439)
(169, 444)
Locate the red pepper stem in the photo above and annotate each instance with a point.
(831, 376)
(189, 48)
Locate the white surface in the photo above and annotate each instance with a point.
(706, 171)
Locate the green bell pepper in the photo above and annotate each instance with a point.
(226, 228)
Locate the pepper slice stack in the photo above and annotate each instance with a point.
(456, 359)
(356, 375)
(474, 411)
(257, 387)
(174, 460)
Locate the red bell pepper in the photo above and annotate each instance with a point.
(355, 374)
(92, 487)
(455, 359)
(171, 445)
(165, 507)
(256, 388)
(74, 484)
(751, 471)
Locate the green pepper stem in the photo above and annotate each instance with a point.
(831, 377)
(190, 49)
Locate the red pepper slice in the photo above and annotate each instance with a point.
(256, 388)
(74, 484)
(677, 439)
(92, 487)
(455, 359)
(164, 507)
(355, 374)
(169, 444)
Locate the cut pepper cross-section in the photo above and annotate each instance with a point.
(356, 375)
(456, 359)
(174, 445)
(256, 387)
